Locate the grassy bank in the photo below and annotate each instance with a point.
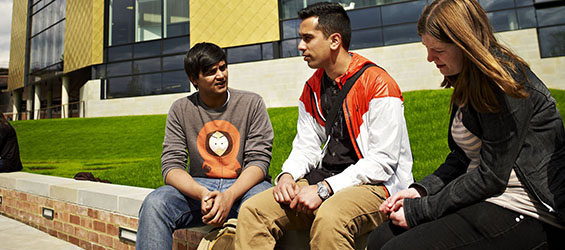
(126, 150)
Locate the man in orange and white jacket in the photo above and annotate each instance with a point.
(334, 184)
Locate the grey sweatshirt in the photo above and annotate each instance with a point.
(221, 142)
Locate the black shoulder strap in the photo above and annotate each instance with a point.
(344, 90)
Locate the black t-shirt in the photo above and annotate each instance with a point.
(340, 152)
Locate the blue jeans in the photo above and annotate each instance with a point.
(167, 209)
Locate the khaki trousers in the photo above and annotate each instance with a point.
(347, 214)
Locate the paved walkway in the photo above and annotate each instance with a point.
(15, 235)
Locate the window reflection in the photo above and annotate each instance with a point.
(46, 48)
(147, 49)
(147, 65)
(244, 54)
(551, 16)
(490, 5)
(176, 19)
(117, 69)
(402, 13)
(121, 22)
(526, 17)
(290, 8)
(290, 47)
(175, 82)
(503, 20)
(147, 20)
(400, 34)
(148, 84)
(176, 45)
(365, 18)
(121, 87)
(173, 62)
(552, 41)
(119, 53)
(366, 38)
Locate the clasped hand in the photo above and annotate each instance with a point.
(301, 199)
(393, 206)
(216, 206)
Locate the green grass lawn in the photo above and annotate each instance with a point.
(126, 150)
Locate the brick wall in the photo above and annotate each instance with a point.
(84, 226)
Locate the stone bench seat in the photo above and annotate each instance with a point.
(92, 214)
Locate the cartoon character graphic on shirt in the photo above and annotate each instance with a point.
(218, 144)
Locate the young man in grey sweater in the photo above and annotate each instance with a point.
(227, 136)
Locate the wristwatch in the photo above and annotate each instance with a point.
(323, 191)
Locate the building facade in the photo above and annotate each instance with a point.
(89, 58)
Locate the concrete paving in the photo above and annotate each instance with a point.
(15, 235)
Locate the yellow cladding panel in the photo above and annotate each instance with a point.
(18, 45)
(84, 34)
(231, 23)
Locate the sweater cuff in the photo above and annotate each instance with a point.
(431, 184)
(414, 212)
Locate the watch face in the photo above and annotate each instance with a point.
(323, 191)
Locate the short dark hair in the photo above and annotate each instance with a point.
(332, 18)
(201, 57)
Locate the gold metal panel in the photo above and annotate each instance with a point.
(18, 45)
(84, 34)
(98, 32)
(231, 23)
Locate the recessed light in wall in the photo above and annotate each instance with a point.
(48, 213)
(127, 235)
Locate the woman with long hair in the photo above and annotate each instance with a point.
(502, 186)
(9, 149)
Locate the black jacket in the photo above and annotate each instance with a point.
(9, 150)
(526, 135)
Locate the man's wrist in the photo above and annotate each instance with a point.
(323, 190)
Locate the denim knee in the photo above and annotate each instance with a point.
(156, 201)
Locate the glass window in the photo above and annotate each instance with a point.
(267, 51)
(117, 69)
(117, 53)
(290, 47)
(503, 20)
(147, 20)
(404, 33)
(121, 25)
(290, 28)
(526, 17)
(147, 65)
(176, 18)
(552, 41)
(402, 12)
(175, 82)
(290, 8)
(148, 84)
(520, 3)
(366, 38)
(121, 87)
(47, 47)
(99, 71)
(173, 62)
(176, 45)
(365, 18)
(490, 5)
(244, 54)
(147, 49)
(551, 16)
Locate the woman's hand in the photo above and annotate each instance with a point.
(389, 206)
(397, 217)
